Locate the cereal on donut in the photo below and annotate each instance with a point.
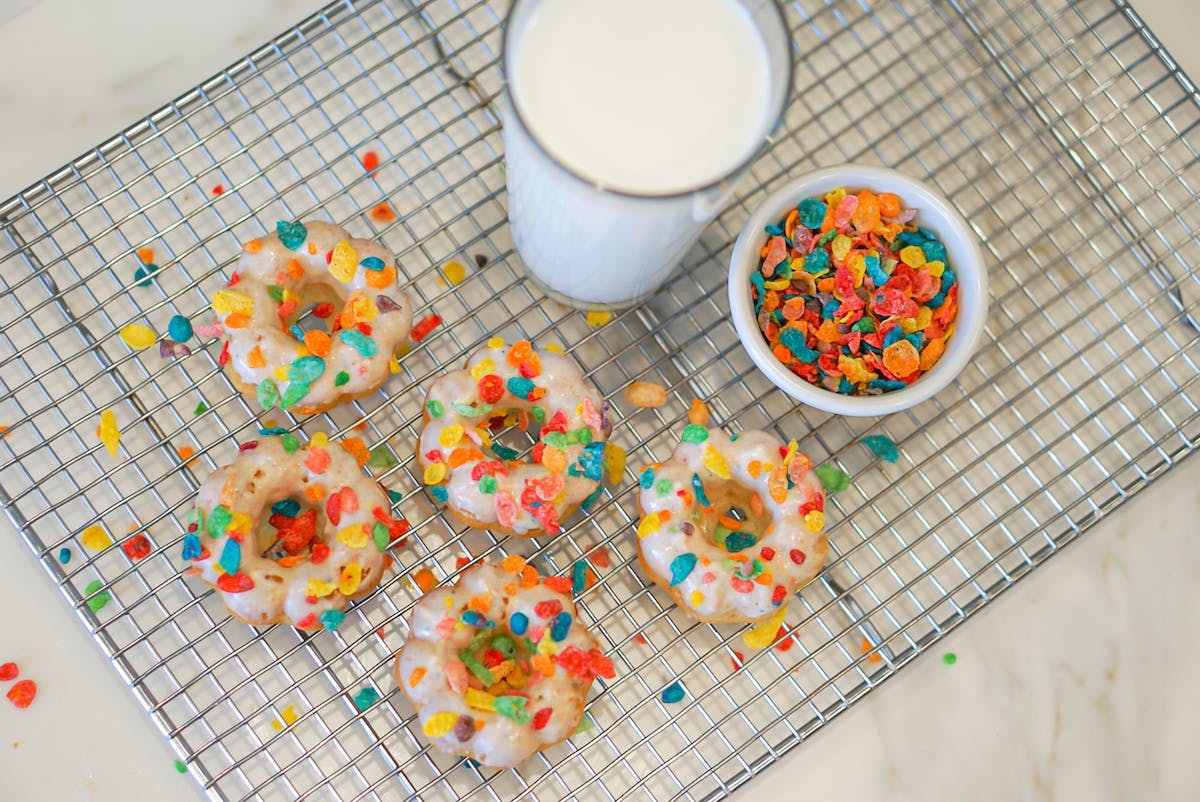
(290, 533)
(484, 483)
(368, 317)
(499, 665)
(733, 525)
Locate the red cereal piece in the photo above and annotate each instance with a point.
(135, 548)
(541, 718)
(370, 161)
(491, 388)
(235, 583)
(600, 557)
(22, 693)
(422, 329)
(8, 671)
(559, 584)
(547, 609)
(218, 189)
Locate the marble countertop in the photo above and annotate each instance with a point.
(1077, 685)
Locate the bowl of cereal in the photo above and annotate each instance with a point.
(858, 290)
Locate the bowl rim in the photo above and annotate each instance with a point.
(935, 213)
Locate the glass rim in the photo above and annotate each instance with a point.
(775, 124)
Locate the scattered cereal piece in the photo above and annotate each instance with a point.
(832, 477)
(646, 395)
(108, 432)
(365, 698)
(949, 658)
(673, 693)
(64, 555)
(698, 414)
(218, 189)
(596, 319)
(22, 693)
(370, 161)
(99, 596)
(8, 672)
(383, 213)
(882, 447)
(146, 255)
(95, 538)
(180, 766)
(873, 656)
(422, 329)
(763, 634)
(454, 272)
(137, 547)
(425, 579)
(138, 337)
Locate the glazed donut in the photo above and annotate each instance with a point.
(498, 667)
(315, 560)
(483, 483)
(308, 372)
(731, 526)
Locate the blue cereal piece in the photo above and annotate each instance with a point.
(646, 480)
(793, 340)
(179, 329)
(191, 548)
(817, 262)
(812, 213)
(332, 619)
(520, 386)
(518, 624)
(231, 556)
(882, 447)
(288, 507)
(698, 489)
(560, 627)
(292, 235)
(681, 567)
(360, 342)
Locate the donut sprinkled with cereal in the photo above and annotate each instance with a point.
(290, 532)
(732, 525)
(486, 484)
(367, 318)
(499, 665)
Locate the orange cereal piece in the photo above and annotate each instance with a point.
(901, 358)
(889, 204)
(146, 255)
(866, 216)
(314, 492)
(931, 353)
(383, 213)
(520, 352)
(255, 358)
(698, 414)
(381, 279)
(253, 246)
(295, 270)
(318, 342)
(513, 563)
(358, 448)
(237, 321)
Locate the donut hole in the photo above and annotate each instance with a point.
(291, 526)
(735, 518)
(489, 654)
(318, 308)
(515, 431)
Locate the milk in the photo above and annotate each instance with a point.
(632, 118)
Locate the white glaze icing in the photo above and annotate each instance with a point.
(265, 264)
(438, 635)
(717, 586)
(247, 487)
(565, 392)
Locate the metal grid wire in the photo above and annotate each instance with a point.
(1062, 130)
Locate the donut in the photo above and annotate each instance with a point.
(289, 532)
(731, 525)
(270, 358)
(498, 666)
(483, 483)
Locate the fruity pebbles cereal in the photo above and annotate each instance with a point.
(852, 296)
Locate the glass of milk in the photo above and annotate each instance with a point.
(627, 124)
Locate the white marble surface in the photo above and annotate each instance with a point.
(1077, 685)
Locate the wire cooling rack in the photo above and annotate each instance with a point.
(1063, 131)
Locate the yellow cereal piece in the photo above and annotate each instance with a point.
(553, 348)
(355, 536)
(479, 700)
(762, 635)
(435, 472)
(343, 262)
(393, 365)
(597, 318)
(858, 268)
(108, 432)
(649, 525)
(439, 724)
(715, 462)
(923, 319)
(359, 309)
(319, 588)
(779, 284)
(935, 268)
(834, 197)
(696, 598)
(280, 374)
(95, 538)
(496, 342)
(350, 579)
(454, 272)
(414, 679)
(452, 435)
(840, 247)
(855, 370)
(289, 715)
(792, 448)
(482, 368)
(228, 302)
(814, 520)
(240, 522)
(614, 459)
(907, 325)
(138, 337)
(912, 256)
(319, 440)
